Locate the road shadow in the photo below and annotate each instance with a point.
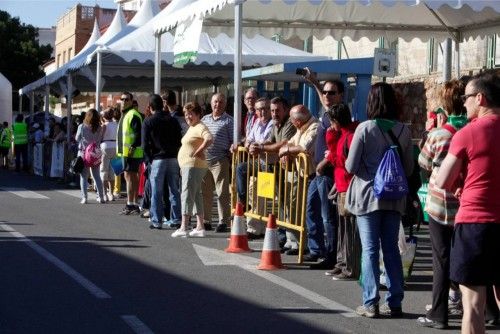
(165, 301)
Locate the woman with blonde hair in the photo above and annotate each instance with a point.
(193, 166)
(90, 131)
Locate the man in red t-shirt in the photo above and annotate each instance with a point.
(474, 151)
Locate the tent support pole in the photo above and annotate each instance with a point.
(157, 83)
(69, 98)
(20, 111)
(98, 80)
(47, 109)
(457, 56)
(32, 105)
(447, 60)
(238, 15)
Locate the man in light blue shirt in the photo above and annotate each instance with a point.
(259, 134)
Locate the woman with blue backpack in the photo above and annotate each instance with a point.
(380, 157)
(89, 137)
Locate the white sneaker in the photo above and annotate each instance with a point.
(83, 201)
(197, 233)
(179, 233)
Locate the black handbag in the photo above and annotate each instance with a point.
(76, 165)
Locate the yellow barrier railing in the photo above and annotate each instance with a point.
(274, 187)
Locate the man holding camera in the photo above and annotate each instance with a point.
(320, 212)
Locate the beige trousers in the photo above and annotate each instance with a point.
(217, 177)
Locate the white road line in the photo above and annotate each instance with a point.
(301, 291)
(215, 257)
(24, 193)
(80, 279)
(136, 324)
(74, 193)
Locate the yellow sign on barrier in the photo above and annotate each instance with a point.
(265, 185)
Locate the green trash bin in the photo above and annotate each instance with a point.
(422, 195)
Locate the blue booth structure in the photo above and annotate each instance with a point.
(355, 73)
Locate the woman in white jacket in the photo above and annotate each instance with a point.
(108, 148)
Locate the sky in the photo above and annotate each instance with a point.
(44, 13)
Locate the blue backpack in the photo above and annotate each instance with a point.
(390, 181)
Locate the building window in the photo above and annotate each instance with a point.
(497, 51)
(87, 13)
(58, 63)
(435, 56)
(493, 52)
(64, 57)
(69, 53)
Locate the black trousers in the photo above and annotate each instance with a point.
(441, 236)
(348, 246)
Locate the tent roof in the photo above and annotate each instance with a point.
(81, 58)
(373, 19)
(94, 37)
(116, 30)
(212, 50)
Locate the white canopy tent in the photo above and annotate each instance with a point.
(5, 100)
(130, 53)
(407, 19)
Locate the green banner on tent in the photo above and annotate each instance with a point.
(183, 58)
(187, 41)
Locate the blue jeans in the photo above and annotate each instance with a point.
(241, 182)
(380, 228)
(84, 175)
(161, 170)
(320, 218)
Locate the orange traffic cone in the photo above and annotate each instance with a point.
(238, 243)
(271, 257)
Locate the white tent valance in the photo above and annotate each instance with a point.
(373, 19)
(256, 51)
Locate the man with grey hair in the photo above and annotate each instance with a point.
(251, 96)
(304, 141)
(220, 125)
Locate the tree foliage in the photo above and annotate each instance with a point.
(21, 56)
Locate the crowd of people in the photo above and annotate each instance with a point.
(187, 156)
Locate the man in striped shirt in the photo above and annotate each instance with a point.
(220, 125)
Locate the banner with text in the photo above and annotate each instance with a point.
(187, 41)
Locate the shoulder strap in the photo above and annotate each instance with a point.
(450, 128)
(396, 142)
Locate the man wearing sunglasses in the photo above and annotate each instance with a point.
(128, 141)
(320, 212)
(475, 153)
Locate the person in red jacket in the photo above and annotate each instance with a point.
(340, 134)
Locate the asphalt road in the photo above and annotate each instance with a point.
(72, 268)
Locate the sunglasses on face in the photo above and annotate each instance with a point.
(466, 96)
(124, 99)
(330, 92)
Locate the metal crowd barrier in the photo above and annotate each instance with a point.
(274, 187)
